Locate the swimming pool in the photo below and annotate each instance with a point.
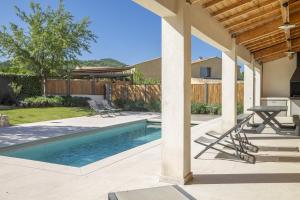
(89, 147)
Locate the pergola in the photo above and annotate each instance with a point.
(102, 72)
(255, 24)
(248, 30)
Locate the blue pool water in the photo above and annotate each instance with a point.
(96, 145)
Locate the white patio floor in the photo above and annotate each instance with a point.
(213, 178)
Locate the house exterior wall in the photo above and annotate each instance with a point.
(276, 77)
(214, 63)
(152, 68)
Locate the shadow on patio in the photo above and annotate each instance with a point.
(245, 178)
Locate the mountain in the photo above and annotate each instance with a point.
(106, 62)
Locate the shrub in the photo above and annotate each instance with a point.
(42, 101)
(240, 109)
(214, 109)
(70, 101)
(198, 108)
(55, 101)
(31, 86)
(15, 91)
(120, 103)
(135, 106)
(153, 106)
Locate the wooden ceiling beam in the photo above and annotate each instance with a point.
(275, 37)
(211, 3)
(276, 56)
(230, 7)
(256, 24)
(262, 37)
(270, 51)
(276, 49)
(248, 11)
(270, 41)
(266, 45)
(273, 57)
(253, 18)
(266, 40)
(267, 29)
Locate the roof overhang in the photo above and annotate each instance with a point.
(254, 24)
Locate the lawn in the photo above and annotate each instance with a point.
(29, 115)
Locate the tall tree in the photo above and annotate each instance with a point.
(50, 43)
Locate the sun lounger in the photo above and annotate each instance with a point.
(296, 121)
(234, 139)
(105, 105)
(172, 192)
(101, 111)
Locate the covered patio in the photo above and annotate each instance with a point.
(262, 34)
(247, 31)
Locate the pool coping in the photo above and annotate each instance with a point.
(87, 169)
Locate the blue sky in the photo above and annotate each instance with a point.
(125, 30)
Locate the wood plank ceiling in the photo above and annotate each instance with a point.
(255, 24)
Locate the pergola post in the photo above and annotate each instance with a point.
(229, 87)
(176, 90)
(257, 85)
(249, 73)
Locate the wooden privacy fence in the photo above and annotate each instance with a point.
(208, 93)
(145, 93)
(76, 87)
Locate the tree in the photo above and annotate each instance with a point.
(50, 43)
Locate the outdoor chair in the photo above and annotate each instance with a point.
(103, 112)
(296, 121)
(234, 139)
(111, 107)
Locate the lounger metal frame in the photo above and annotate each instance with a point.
(234, 139)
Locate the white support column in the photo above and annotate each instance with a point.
(229, 90)
(249, 74)
(176, 90)
(257, 85)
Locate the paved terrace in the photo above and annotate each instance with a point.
(276, 175)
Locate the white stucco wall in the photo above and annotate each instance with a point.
(276, 77)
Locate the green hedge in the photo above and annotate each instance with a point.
(152, 106)
(31, 86)
(196, 108)
(55, 101)
(200, 108)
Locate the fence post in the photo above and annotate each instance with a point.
(145, 93)
(126, 96)
(68, 87)
(206, 93)
(93, 86)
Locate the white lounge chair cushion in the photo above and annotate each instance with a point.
(156, 193)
